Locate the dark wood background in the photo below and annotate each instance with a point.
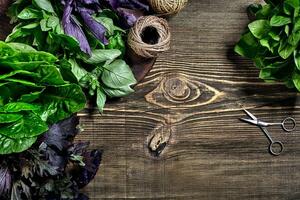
(179, 137)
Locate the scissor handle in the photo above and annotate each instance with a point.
(271, 146)
(286, 121)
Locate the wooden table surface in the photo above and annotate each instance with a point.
(179, 137)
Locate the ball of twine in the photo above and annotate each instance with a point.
(150, 36)
(167, 7)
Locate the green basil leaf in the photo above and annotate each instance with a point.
(285, 49)
(248, 46)
(44, 4)
(30, 13)
(9, 118)
(297, 59)
(101, 99)
(294, 38)
(102, 55)
(296, 80)
(78, 71)
(259, 28)
(280, 20)
(118, 79)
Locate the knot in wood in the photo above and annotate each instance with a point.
(177, 89)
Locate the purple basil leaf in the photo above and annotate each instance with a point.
(129, 16)
(89, 2)
(72, 28)
(131, 4)
(56, 159)
(59, 135)
(96, 28)
(87, 173)
(5, 180)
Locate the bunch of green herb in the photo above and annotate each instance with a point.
(96, 60)
(272, 41)
(33, 95)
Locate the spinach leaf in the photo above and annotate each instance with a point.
(62, 101)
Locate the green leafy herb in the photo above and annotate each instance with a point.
(272, 41)
(101, 73)
(33, 96)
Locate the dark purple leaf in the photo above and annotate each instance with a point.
(89, 2)
(59, 135)
(129, 16)
(131, 4)
(5, 180)
(72, 28)
(56, 159)
(87, 173)
(96, 28)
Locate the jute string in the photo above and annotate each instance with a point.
(141, 48)
(167, 7)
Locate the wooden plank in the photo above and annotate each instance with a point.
(195, 93)
(179, 137)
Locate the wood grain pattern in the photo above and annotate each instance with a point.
(179, 137)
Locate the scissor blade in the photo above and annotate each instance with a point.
(250, 114)
(250, 121)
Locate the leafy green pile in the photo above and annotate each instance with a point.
(272, 41)
(33, 95)
(102, 73)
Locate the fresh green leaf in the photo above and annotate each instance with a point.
(102, 55)
(285, 49)
(9, 118)
(62, 101)
(259, 28)
(29, 13)
(101, 99)
(280, 21)
(31, 125)
(297, 59)
(43, 4)
(118, 76)
(247, 46)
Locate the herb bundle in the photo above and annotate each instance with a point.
(83, 33)
(272, 41)
(54, 169)
(33, 95)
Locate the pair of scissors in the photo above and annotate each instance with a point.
(288, 125)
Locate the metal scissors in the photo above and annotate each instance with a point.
(288, 125)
